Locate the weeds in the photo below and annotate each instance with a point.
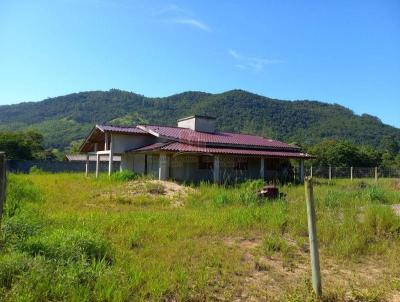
(124, 175)
(64, 239)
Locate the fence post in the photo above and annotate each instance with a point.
(351, 173)
(330, 172)
(312, 234)
(2, 182)
(311, 172)
(376, 173)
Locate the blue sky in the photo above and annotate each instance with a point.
(345, 52)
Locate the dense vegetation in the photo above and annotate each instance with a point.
(69, 118)
(65, 237)
(346, 154)
(24, 145)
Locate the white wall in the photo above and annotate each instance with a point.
(198, 124)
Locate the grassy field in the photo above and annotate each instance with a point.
(68, 237)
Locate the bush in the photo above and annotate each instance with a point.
(376, 194)
(11, 266)
(124, 175)
(63, 245)
(46, 280)
(35, 170)
(19, 192)
(18, 228)
(381, 221)
(221, 199)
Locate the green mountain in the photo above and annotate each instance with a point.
(69, 118)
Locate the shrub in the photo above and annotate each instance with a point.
(221, 199)
(249, 197)
(381, 221)
(63, 245)
(376, 194)
(35, 170)
(332, 199)
(18, 228)
(19, 192)
(273, 243)
(135, 240)
(124, 175)
(11, 266)
(75, 281)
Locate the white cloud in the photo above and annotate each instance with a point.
(175, 14)
(192, 22)
(254, 63)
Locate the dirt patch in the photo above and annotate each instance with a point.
(396, 184)
(267, 277)
(396, 209)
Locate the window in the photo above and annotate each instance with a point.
(241, 164)
(206, 163)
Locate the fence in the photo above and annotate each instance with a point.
(331, 172)
(23, 166)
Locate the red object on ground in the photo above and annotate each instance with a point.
(270, 192)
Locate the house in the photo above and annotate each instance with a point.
(194, 150)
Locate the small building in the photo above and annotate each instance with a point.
(193, 151)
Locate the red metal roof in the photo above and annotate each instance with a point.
(127, 130)
(218, 138)
(186, 148)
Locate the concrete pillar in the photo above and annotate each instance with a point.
(216, 169)
(301, 170)
(105, 141)
(97, 165)
(163, 167)
(110, 157)
(87, 165)
(262, 170)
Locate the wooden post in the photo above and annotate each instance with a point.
(311, 172)
(351, 173)
(2, 182)
(312, 234)
(330, 172)
(376, 173)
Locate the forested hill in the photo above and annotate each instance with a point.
(69, 118)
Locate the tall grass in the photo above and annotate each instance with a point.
(76, 238)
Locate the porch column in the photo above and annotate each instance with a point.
(262, 171)
(105, 141)
(301, 170)
(87, 165)
(97, 164)
(216, 169)
(110, 157)
(163, 167)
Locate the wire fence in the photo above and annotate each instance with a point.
(330, 172)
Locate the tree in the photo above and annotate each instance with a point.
(21, 145)
(344, 154)
(390, 145)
